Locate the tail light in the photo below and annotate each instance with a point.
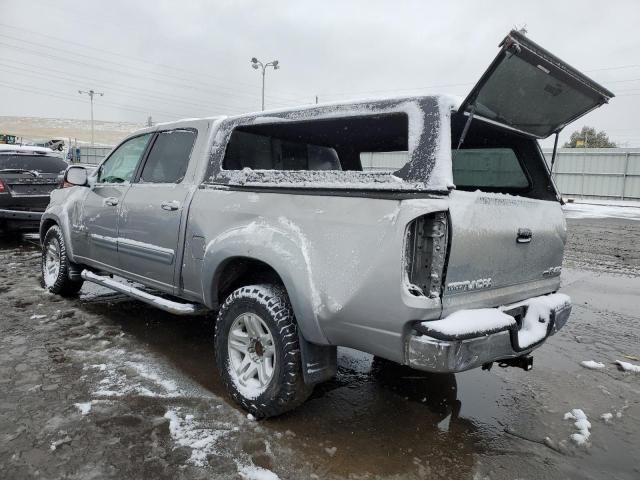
(425, 254)
(3, 188)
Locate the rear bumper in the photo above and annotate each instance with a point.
(431, 351)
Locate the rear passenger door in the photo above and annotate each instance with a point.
(152, 210)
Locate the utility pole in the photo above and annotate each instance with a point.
(256, 64)
(91, 93)
(316, 99)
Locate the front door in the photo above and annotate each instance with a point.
(152, 210)
(102, 204)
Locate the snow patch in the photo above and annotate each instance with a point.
(84, 408)
(186, 433)
(147, 372)
(581, 423)
(485, 320)
(467, 322)
(304, 244)
(607, 417)
(626, 210)
(251, 472)
(536, 321)
(628, 367)
(592, 364)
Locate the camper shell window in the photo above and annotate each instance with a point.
(316, 145)
(495, 159)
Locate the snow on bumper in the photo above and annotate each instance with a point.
(470, 338)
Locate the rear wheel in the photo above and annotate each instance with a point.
(257, 350)
(55, 265)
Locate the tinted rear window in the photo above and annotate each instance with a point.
(29, 162)
(488, 168)
(497, 160)
(169, 156)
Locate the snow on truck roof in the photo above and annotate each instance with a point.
(452, 101)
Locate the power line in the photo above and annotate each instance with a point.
(163, 96)
(32, 89)
(190, 79)
(123, 73)
(118, 88)
(135, 59)
(104, 68)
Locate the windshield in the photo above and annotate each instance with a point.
(35, 163)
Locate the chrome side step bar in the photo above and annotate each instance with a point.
(177, 308)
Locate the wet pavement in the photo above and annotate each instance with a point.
(105, 387)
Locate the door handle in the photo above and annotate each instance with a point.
(524, 235)
(111, 201)
(170, 205)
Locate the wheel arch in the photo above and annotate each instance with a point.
(45, 225)
(279, 256)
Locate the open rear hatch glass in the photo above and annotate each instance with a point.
(529, 89)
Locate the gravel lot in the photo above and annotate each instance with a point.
(105, 387)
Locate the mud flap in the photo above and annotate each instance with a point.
(319, 362)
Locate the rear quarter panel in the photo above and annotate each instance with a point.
(340, 258)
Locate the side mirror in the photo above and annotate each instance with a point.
(76, 176)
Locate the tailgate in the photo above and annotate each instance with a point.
(503, 249)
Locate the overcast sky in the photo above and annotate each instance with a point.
(175, 59)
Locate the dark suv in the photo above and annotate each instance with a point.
(27, 177)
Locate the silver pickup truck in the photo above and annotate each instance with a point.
(423, 230)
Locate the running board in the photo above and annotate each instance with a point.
(177, 308)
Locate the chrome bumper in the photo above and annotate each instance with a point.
(424, 352)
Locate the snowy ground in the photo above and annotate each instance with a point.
(105, 387)
(629, 210)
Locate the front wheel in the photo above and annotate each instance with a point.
(55, 265)
(258, 352)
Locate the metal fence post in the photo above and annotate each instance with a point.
(624, 175)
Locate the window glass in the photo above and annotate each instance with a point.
(122, 163)
(487, 168)
(169, 156)
(320, 144)
(261, 152)
(383, 161)
(40, 163)
(524, 95)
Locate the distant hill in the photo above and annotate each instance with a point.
(38, 129)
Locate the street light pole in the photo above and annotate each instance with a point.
(264, 71)
(91, 93)
(255, 63)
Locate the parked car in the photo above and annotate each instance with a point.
(444, 255)
(27, 177)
